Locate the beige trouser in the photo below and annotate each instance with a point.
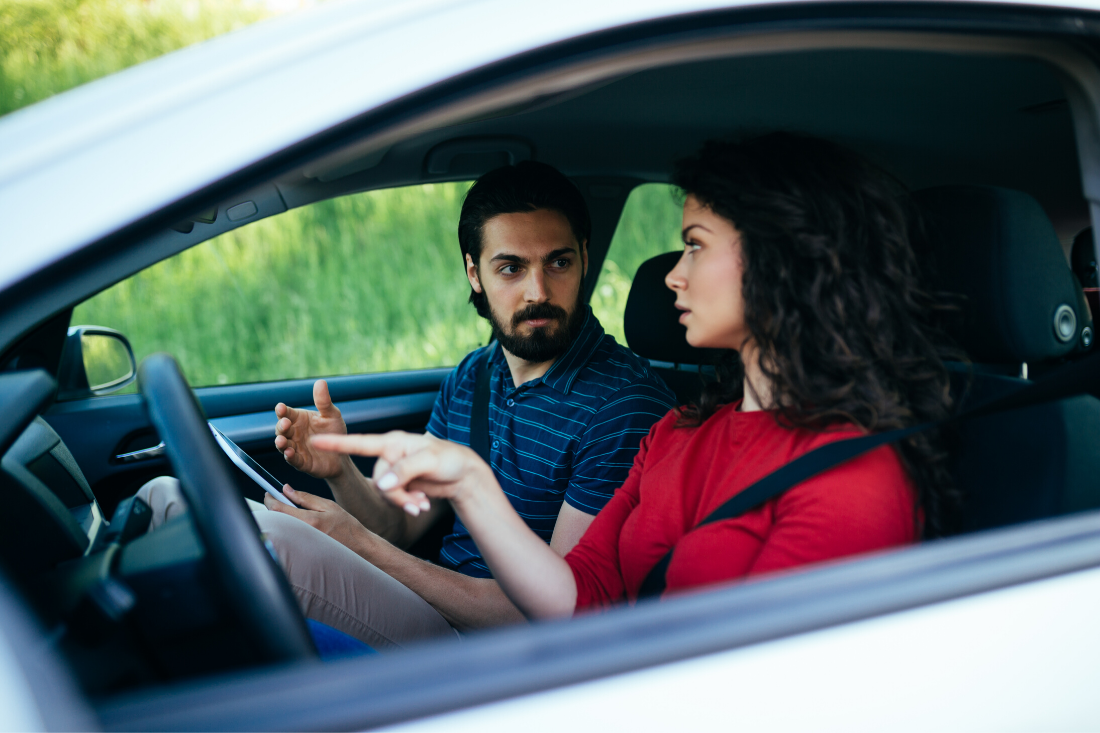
(333, 585)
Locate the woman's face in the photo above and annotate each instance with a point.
(707, 280)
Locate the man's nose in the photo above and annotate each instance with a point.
(536, 287)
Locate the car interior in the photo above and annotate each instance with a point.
(986, 141)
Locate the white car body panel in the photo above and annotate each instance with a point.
(255, 92)
(1024, 658)
(17, 709)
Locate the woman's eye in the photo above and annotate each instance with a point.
(691, 247)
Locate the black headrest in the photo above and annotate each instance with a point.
(997, 248)
(1082, 259)
(651, 321)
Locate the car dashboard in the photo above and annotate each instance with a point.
(125, 609)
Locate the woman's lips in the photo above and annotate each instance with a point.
(685, 313)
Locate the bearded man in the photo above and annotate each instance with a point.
(567, 409)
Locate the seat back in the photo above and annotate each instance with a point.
(1019, 304)
(653, 331)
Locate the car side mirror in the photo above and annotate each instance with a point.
(95, 361)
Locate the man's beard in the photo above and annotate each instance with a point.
(546, 342)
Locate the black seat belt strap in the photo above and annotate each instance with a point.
(479, 413)
(1080, 377)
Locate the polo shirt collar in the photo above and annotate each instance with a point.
(564, 371)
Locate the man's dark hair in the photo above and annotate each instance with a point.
(514, 189)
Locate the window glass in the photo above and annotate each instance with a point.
(650, 225)
(364, 283)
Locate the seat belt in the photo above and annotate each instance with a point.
(479, 413)
(1073, 379)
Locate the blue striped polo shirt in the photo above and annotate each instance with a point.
(569, 435)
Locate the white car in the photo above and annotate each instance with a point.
(194, 628)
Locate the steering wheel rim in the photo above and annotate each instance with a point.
(253, 583)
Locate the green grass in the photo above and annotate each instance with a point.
(48, 46)
(365, 283)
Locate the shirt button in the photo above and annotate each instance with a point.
(496, 443)
(511, 403)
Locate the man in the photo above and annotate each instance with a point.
(567, 410)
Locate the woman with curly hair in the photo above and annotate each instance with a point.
(798, 263)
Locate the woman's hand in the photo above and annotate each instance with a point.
(410, 468)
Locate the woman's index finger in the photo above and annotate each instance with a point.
(360, 445)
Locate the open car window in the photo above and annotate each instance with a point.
(648, 226)
(370, 282)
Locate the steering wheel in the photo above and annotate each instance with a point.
(254, 584)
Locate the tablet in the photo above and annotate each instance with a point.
(255, 471)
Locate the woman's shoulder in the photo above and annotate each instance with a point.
(875, 478)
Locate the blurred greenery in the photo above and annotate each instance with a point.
(48, 46)
(105, 359)
(364, 283)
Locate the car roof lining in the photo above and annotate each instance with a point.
(929, 117)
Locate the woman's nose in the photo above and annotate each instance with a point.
(676, 279)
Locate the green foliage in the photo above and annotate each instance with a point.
(48, 46)
(365, 283)
(650, 225)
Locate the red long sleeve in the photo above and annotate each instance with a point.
(680, 475)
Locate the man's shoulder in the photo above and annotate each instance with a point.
(467, 369)
(619, 373)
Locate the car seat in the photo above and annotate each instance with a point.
(1019, 304)
(1083, 261)
(653, 331)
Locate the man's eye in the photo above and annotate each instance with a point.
(509, 270)
(561, 263)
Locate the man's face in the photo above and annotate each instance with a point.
(531, 269)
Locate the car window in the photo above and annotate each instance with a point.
(364, 283)
(649, 226)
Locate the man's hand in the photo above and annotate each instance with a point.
(322, 514)
(295, 428)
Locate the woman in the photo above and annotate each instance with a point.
(797, 261)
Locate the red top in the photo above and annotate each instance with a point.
(681, 475)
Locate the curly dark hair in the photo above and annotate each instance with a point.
(833, 296)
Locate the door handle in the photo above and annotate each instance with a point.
(144, 454)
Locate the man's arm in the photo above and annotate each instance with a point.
(358, 495)
(467, 603)
(351, 489)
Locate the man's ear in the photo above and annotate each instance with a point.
(472, 275)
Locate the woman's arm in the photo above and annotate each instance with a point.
(412, 468)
